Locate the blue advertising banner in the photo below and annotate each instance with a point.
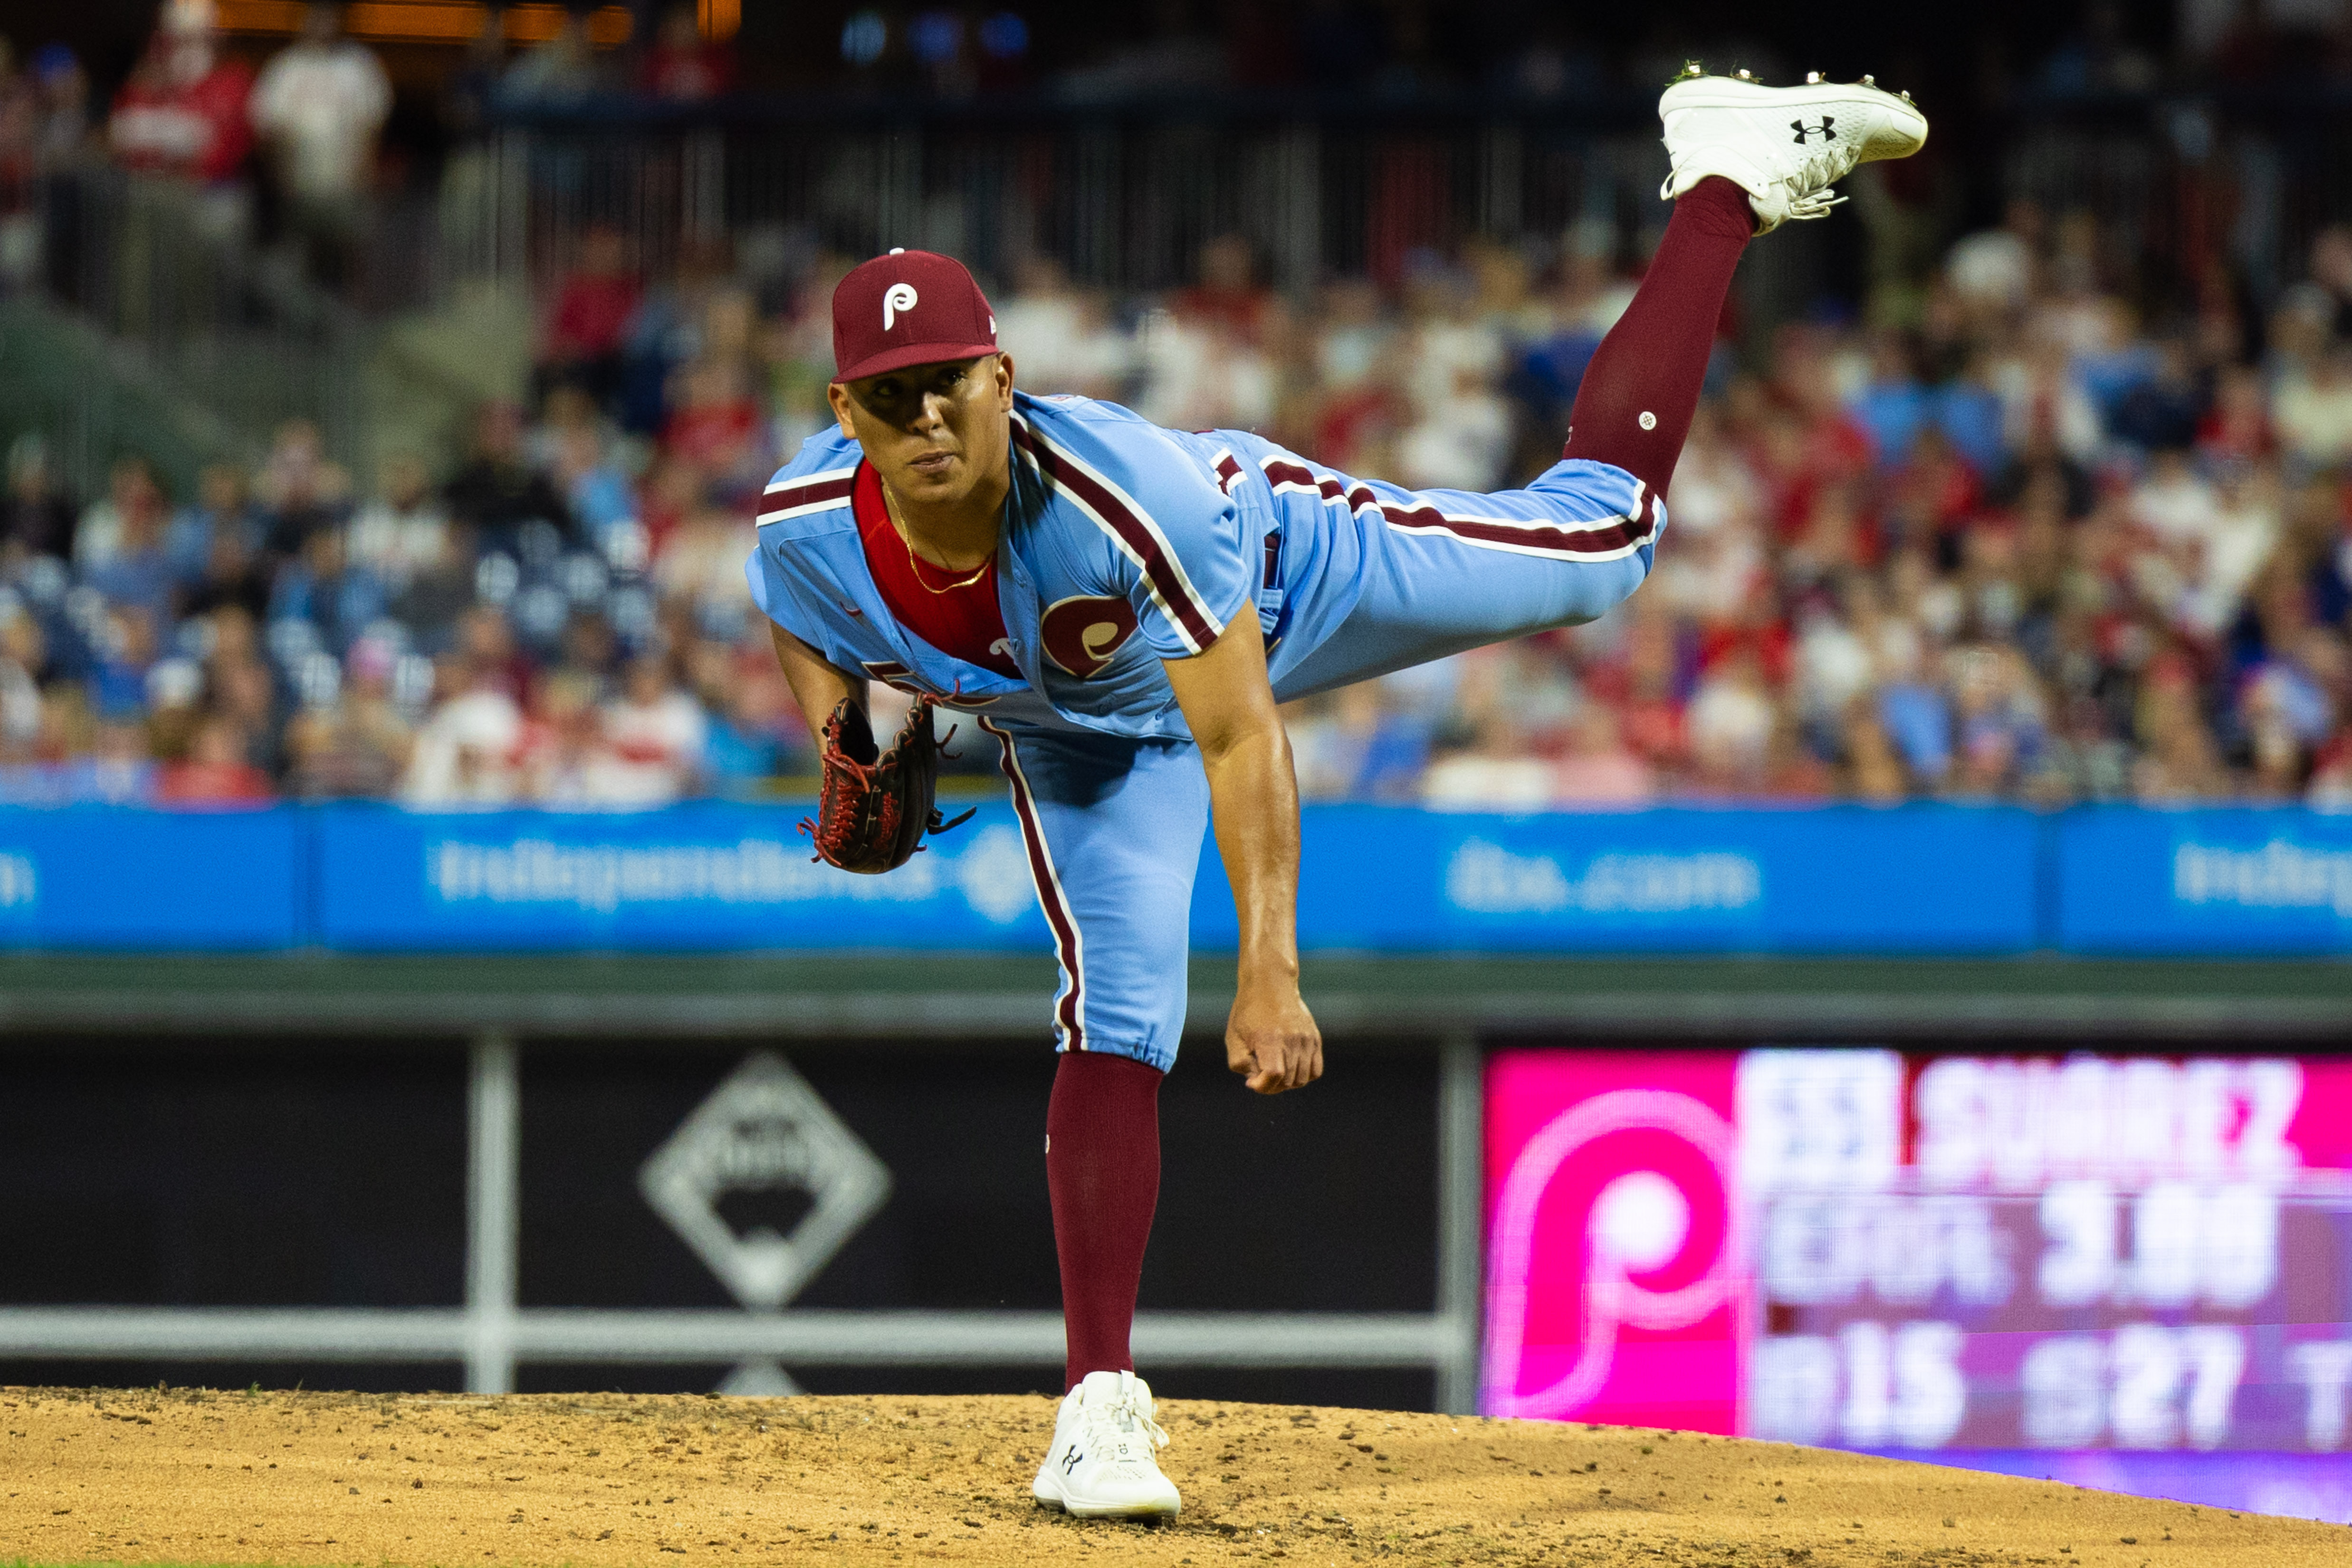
(117, 876)
(719, 876)
(1917, 879)
(707, 876)
(2242, 880)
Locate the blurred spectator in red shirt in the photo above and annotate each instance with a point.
(20, 135)
(182, 112)
(715, 426)
(683, 66)
(215, 772)
(466, 751)
(1931, 498)
(487, 644)
(1227, 293)
(593, 306)
(2238, 422)
(658, 730)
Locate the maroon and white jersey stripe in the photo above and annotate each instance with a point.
(1132, 528)
(1603, 539)
(1229, 469)
(807, 493)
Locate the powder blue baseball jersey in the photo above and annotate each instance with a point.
(1126, 544)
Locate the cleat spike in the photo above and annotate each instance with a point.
(1869, 80)
(1906, 97)
(1691, 68)
(1812, 79)
(1744, 74)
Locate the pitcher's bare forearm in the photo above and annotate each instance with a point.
(818, 687)
(1254, 796)
(1271, 1038)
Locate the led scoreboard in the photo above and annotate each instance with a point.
(2126, 1271)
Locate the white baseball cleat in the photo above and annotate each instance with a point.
(1785, 146)
(1102, 1463)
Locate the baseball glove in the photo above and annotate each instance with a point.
(874, 810)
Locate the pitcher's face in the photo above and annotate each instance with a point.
(934, 432)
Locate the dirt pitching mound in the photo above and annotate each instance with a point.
(203, 1478)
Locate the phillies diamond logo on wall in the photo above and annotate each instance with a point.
(765, 1130)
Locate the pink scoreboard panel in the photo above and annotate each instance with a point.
(2133, 1272)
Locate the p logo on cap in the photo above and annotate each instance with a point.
(956, 322)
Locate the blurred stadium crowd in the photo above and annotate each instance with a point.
(2006, 541)
(2024, 549)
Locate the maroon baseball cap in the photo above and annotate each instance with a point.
(910, 307)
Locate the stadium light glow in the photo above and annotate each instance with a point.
(444, 21)
(719, 19)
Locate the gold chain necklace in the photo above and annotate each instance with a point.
(914, 562)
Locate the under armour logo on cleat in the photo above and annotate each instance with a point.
(1071, 1463)
(1825, 129)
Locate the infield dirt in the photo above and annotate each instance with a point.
(197, 1477)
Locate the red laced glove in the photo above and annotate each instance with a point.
(874, 810)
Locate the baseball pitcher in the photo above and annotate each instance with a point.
(1121, 607)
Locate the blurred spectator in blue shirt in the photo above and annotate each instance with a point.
(118, 684)
(2161, 411)
(1917, 719)
(221, 506)
(323, 588)
(1588, 304)
(1970, 416)
(1359, 745)
(1894, 406)
(2110, 370)
(117, 770)
(135, 572)
(758, 737)
(599, 492)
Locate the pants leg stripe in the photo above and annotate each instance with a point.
(1069, 1007)
(1602, 542)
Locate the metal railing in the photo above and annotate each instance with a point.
(1123, 195)
(2190, 188)
(168, 273)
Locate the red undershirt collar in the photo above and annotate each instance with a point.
(963, 621)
